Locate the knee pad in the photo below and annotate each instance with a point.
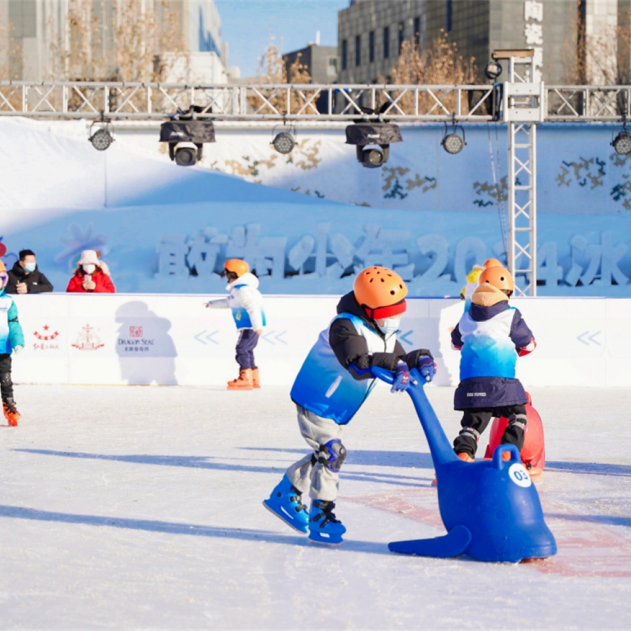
(332, 455)
(5, 378)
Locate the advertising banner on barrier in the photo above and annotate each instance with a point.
(168, 340)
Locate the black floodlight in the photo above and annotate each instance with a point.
(453, 142)
(284, 142)
(493, 70)
(186, 139)
(622, 142)
(101, 139)
(365, 134)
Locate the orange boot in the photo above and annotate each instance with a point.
(244, 381)
(255, 378)
(10, 412)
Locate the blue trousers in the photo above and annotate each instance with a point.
(246, 344)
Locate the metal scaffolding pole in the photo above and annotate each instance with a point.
(523, 108)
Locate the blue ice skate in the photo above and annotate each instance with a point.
(285, 503)
(323, 526)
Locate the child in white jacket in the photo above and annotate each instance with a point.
(246, 303)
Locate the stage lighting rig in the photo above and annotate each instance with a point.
(186, 137)
(102, 138)
(363, 135)
(453, 142)
(622, 142)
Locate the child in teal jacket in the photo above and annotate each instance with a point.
(11, 340)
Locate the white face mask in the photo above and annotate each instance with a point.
(390, 325)
(89, 269)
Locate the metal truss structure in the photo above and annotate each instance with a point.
(520, 103)
(306, 102)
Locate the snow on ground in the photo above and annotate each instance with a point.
(140, 507)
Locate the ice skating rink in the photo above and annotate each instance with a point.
(140, 507)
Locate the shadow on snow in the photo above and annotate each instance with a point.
(206, 462)
(174, 528)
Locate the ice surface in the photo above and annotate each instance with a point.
(140, 507)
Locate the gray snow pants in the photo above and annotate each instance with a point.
(318, 473)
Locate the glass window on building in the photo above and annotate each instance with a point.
(358, 50)
(450, 16)
(417, 32)
(371, 46)
(344, 53)
(331, 66)
(386, 42)
(401, 36)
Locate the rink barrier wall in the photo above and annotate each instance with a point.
(140, 339)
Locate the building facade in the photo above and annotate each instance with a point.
(35, 34)
(320, 61)
(561, 32)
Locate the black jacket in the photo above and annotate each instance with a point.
(36, 282)
(350, 346)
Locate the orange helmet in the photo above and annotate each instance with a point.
(500, 278)
(236, 266)
(381, 292)
(491, 263)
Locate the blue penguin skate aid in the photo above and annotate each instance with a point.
(490, 508)
(285, 503)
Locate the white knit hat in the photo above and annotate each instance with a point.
(89, 257)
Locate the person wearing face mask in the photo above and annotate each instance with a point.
(11, 341)
(91, 275)
(332, 385)
(25, 278)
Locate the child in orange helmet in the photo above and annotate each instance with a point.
(490, 335)
(246, 303)
(332, 385)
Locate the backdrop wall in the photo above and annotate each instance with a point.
(157, 339)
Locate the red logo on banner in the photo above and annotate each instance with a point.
(88, 340)
(46, 335)
(135, 331)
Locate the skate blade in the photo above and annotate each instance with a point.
(326, 542)
(282, 518)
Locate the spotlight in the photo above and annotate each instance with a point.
(453, 143)
(381, 134)
(493, 70)
(186, 154)
(186, 139)
(373, 158)
(622, 143)
(284, 143)
(101, 139)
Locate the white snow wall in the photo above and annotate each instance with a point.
(173, 339)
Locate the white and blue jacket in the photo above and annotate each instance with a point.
(490, 335)
(245, 301)
(11, 334)
(335, 379)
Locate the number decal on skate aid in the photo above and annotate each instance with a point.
(518, 474)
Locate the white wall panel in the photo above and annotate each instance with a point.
(173, 339)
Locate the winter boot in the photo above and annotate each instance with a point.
(10, 412)
(323, 526)
(285, 502)
(255, 378)
(243, 382)
(464, 456)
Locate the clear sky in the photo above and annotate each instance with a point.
(247, 25)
